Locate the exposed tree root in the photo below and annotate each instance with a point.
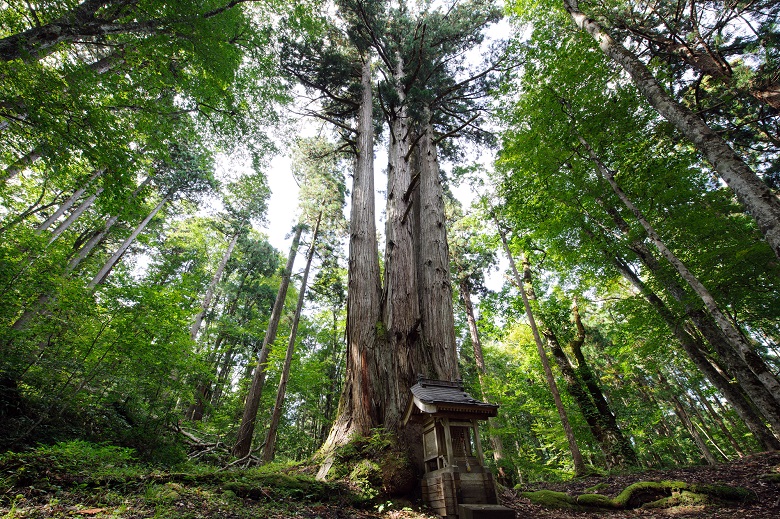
(644, 494)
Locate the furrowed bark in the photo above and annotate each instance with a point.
(401, 312)
(435, 289)
(359, 408)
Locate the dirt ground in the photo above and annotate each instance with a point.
(745, 472)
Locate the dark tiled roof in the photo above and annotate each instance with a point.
(443, 392)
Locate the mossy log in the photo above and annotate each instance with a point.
(644, 494)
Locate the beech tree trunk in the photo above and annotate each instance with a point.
(20, 165)
(579, 462)
(695, 350)
(754, 194)
(72, 217)
(67, 204)
(360, 408)
(734, 337)
(212, 286)
(98, 237)
(601, 421)
(251, 405)
(112, 261)
(679, 410)
(269, 446)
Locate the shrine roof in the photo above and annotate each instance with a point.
(447, 395)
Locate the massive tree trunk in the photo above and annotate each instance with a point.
(246, 430)
(754, 194)
(270, 439)
(212, 286)
(434, 285)
(579, 462)
(359, 408)
(401, 311)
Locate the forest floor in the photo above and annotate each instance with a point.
(746, 473)
(45, 488)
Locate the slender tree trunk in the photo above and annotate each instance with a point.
(100, 236)
(86, 204)
(251, 405)
(270, 439)
(67, 204)
(734, 336)
(719, 422)
(695, 350)
(606, 416)
(495, 439)
(20, 165)
(579, 462)
(679, 410)
(112, 261)
(195, 328)
(754, 194)
(359, 408)
(691, 343)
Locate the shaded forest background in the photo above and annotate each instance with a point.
(140, 303)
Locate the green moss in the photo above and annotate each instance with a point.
(551, 499)
(770, 478)
(643, 491)
(683, 498)
(724, 492)
(596, 500)
(595, 488)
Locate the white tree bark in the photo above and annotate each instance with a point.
(112, 261)
(195, 328)
(67, 204)
(734, 336)
(754, 194)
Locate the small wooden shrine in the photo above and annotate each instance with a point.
(454, 472)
